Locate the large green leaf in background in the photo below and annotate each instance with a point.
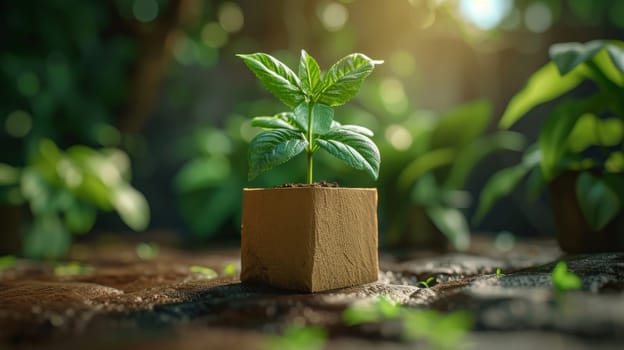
(423, 164)
(498, 186)
(469, 156)
(131, 206)
(273, 147)
(544, 85)
(568, 56)
(617, 56)
(309, 73)
(355, 149)
(322, 117)
(452, 223)
(558, 127)
(276, 77)
(343, 80)
(599, 202)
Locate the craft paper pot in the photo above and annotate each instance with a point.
(309, 238)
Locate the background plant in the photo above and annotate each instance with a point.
(311, 126)
(65, 189)
(580, 134)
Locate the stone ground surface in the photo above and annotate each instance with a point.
(123, 302)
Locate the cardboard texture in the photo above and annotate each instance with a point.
(309, 238)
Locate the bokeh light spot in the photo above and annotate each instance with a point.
(393, 96)
(18, 123)
(398, 137)
(213, 35)
(538, 17)
(334, 16)
(231, 17)
(402, 63)
(145, 10)
(485, 14)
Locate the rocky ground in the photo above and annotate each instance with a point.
(127, 297)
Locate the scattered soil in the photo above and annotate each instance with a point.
(316, 184)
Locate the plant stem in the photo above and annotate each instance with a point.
(310, 149)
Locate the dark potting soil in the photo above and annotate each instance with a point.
(316, 184)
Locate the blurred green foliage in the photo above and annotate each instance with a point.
(580, 134)
(65, 189)
(438, 330)
(298, 338)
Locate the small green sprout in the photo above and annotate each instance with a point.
(381, 309)
(439, 330)
(298, 338)
(207, 272)
(563, 279)
(427, 283)
(499, 273)
(229, 270)
(7, 262)
(72, 269)
(147, 251)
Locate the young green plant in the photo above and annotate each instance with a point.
(310, 125)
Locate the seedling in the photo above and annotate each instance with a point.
(72, 268)
(310, 125)
(298, 338)
(381, 309)
(147, 251)
(427, 283)
(7, 262)
(229, 269)
(565, 280)
(440, 331)
(499, 273)
(206, 272)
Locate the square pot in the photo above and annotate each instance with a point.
(309, 238)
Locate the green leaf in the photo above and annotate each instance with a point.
(498, 186)
(468, 157)
(9, 175)
(452, 223)
(423, 164)
(7, 262)
(343, 80)
(564, 280)
(322, 117)
(599, 203)
(309, 73)
(617, 56)
(80, 217)
(357, 129)
(556, 131)
(357, 150)
(131, 206)
(273, 147)
(568, 56)
(201, 173)
(462, 125)
(206, 272)
(544, 85)
(46, 238)
(276, 77)
(271, 123)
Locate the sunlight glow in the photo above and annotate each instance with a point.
(485, 14)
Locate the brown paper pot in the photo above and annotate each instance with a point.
(309, 238)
